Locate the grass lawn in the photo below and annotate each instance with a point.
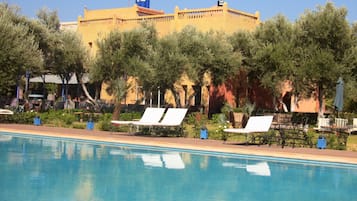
(352, 143)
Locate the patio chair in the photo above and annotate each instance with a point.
(150, 116)
(255, 124)
(323, 124)
(353, 127)
(341, 123)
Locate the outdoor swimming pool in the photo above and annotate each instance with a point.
(53, 169)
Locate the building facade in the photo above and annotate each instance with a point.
(96, 24)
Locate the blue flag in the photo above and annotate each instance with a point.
(143, 3)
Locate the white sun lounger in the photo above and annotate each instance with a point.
(150, 116)
(323, 124)
(6, 111)
(173, 117)
(255, 124)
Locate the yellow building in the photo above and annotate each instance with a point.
(95, 24)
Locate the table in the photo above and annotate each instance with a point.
(293, 134)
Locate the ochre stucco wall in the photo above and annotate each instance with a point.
(96, 24)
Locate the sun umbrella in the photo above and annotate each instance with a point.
(338, 103)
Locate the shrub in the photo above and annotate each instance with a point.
(21, 118)
(79, 125)
(59, 117)
(104, 123)
(128, 116)
(219, 123)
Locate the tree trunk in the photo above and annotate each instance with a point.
(66, 88)
(116, 112)
(177, 97)
(97, 90)
(320, 99)
(43, 105)
(84, 88)
(86, 93)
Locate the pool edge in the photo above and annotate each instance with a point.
(207, 148)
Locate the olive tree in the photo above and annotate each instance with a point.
(323, 39)
(69, 58)
(210, 54)
(122, 55)
(273, 56)
(168, 66)
(19, 50)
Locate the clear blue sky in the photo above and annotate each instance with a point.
(69, 10)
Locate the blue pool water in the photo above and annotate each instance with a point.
(48, 169)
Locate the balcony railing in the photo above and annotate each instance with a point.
(199, 13)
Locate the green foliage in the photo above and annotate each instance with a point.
(268, 53)
(226, 109)
(129, 116)
(350, 95)
(69, 56)
(218, 133)
(51, 88)
(243, 42)
(168, 65)
(193, 54)
(59, 117)
(79, 125)
(248, 108)
(197, 121)
(104, 123)
(273, 54)
(219, 118)
(211, 53)
(323, 38)
(220, 122)
(18, 52)
(122, 54)
(224, 63)
(49, 18)
(20, 118)
(119, 88)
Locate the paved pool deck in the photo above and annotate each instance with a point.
(325, 155)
